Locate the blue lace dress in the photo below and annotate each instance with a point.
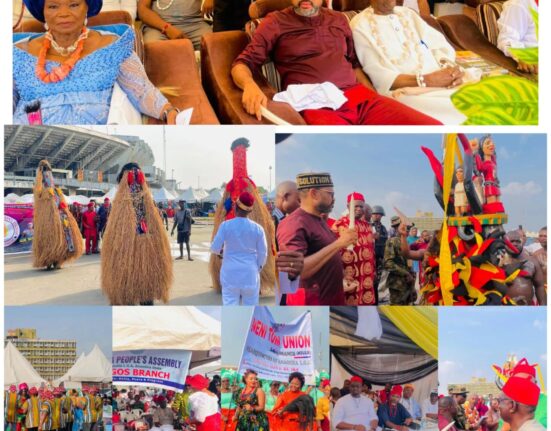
(84, 96)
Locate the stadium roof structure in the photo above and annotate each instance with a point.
(63, 147)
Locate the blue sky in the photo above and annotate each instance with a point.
(235, 323)
(86, 325)
(390, 170)
(472, 339)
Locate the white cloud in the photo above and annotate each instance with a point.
(518, 189)
(538, 324)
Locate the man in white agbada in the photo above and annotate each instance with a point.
(354, 410)
(430, 406)
(242, 244)
(412, 406)
(517, 29)
(407, 59)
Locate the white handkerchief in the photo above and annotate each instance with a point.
(184, 117)
(312, 96)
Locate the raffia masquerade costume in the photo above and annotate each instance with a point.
(136, 265)
(56, 237)
(239, 183)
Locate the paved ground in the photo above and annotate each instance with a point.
(79, 282)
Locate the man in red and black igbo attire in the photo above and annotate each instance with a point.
(358, 261)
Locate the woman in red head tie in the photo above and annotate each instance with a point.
(203, 405)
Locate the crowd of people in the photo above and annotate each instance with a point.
(54, 409)
(514, 408)
(387, 66)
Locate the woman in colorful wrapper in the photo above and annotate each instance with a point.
(227, 405)
(250, 402)
(57, 238)
(136, 265)
(295, 409)
(323, 407)
(203, 405)
(72, 74)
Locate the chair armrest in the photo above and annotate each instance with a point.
(171, 63)
(218, 51)
(464, 33)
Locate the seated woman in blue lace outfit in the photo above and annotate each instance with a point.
(72, 74)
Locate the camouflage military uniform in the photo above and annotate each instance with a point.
(460, 417)
(400, 285)
(379, 250)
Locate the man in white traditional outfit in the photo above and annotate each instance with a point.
(354, 411)
(412, 406)
(517, 29)
(242, 244)
(408, 59)
(430, 406)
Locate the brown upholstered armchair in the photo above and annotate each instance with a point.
(218, 51)
(167, 64)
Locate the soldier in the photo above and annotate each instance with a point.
(381, 235)
(400, 282)
(459, 393)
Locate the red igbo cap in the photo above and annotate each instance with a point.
(523, 367)
(246, 199)
(356, 379)
(396, 390)
(356, 196)
(522, 390)
(90, 204)
(198, 382)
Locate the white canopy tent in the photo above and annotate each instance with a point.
(26, 199)
(162, 195)
(185, 328)
(66, 379)
(207, 368)
(202, 193)
(17, 369)
(93, 367)
(190, 195)
(214, 196)
(82, 200)
(11, 198)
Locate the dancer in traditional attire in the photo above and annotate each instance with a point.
(57, 238)
(225, 210)
(136, 265)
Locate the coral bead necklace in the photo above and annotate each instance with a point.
(61, 72)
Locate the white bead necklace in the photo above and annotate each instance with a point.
(408, 46)
(164, 7)
(66, 51)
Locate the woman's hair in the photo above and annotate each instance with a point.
(297, 375)
(247, 373)
(304, 406)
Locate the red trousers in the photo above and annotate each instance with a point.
(367, 107)
(91, 236)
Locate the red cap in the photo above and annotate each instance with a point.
(356, 379)
(33, 391)
(396, 390)
(522, 390)
(356, 196)
(198, 382)
(523, 367)
(90, 204)
(23, 386)
(13, 388)
(245, 201)
(106, 200)
(325, 382)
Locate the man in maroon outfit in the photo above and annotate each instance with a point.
(89, 219)
(306, 231)
(310, 44)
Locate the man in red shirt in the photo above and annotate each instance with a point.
(306, 231)
(310, 44)
(89, 219)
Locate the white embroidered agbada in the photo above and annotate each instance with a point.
(357, 411)
(376, 57)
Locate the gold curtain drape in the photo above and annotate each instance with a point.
(419, 323)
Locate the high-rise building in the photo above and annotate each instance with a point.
(50, 358)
